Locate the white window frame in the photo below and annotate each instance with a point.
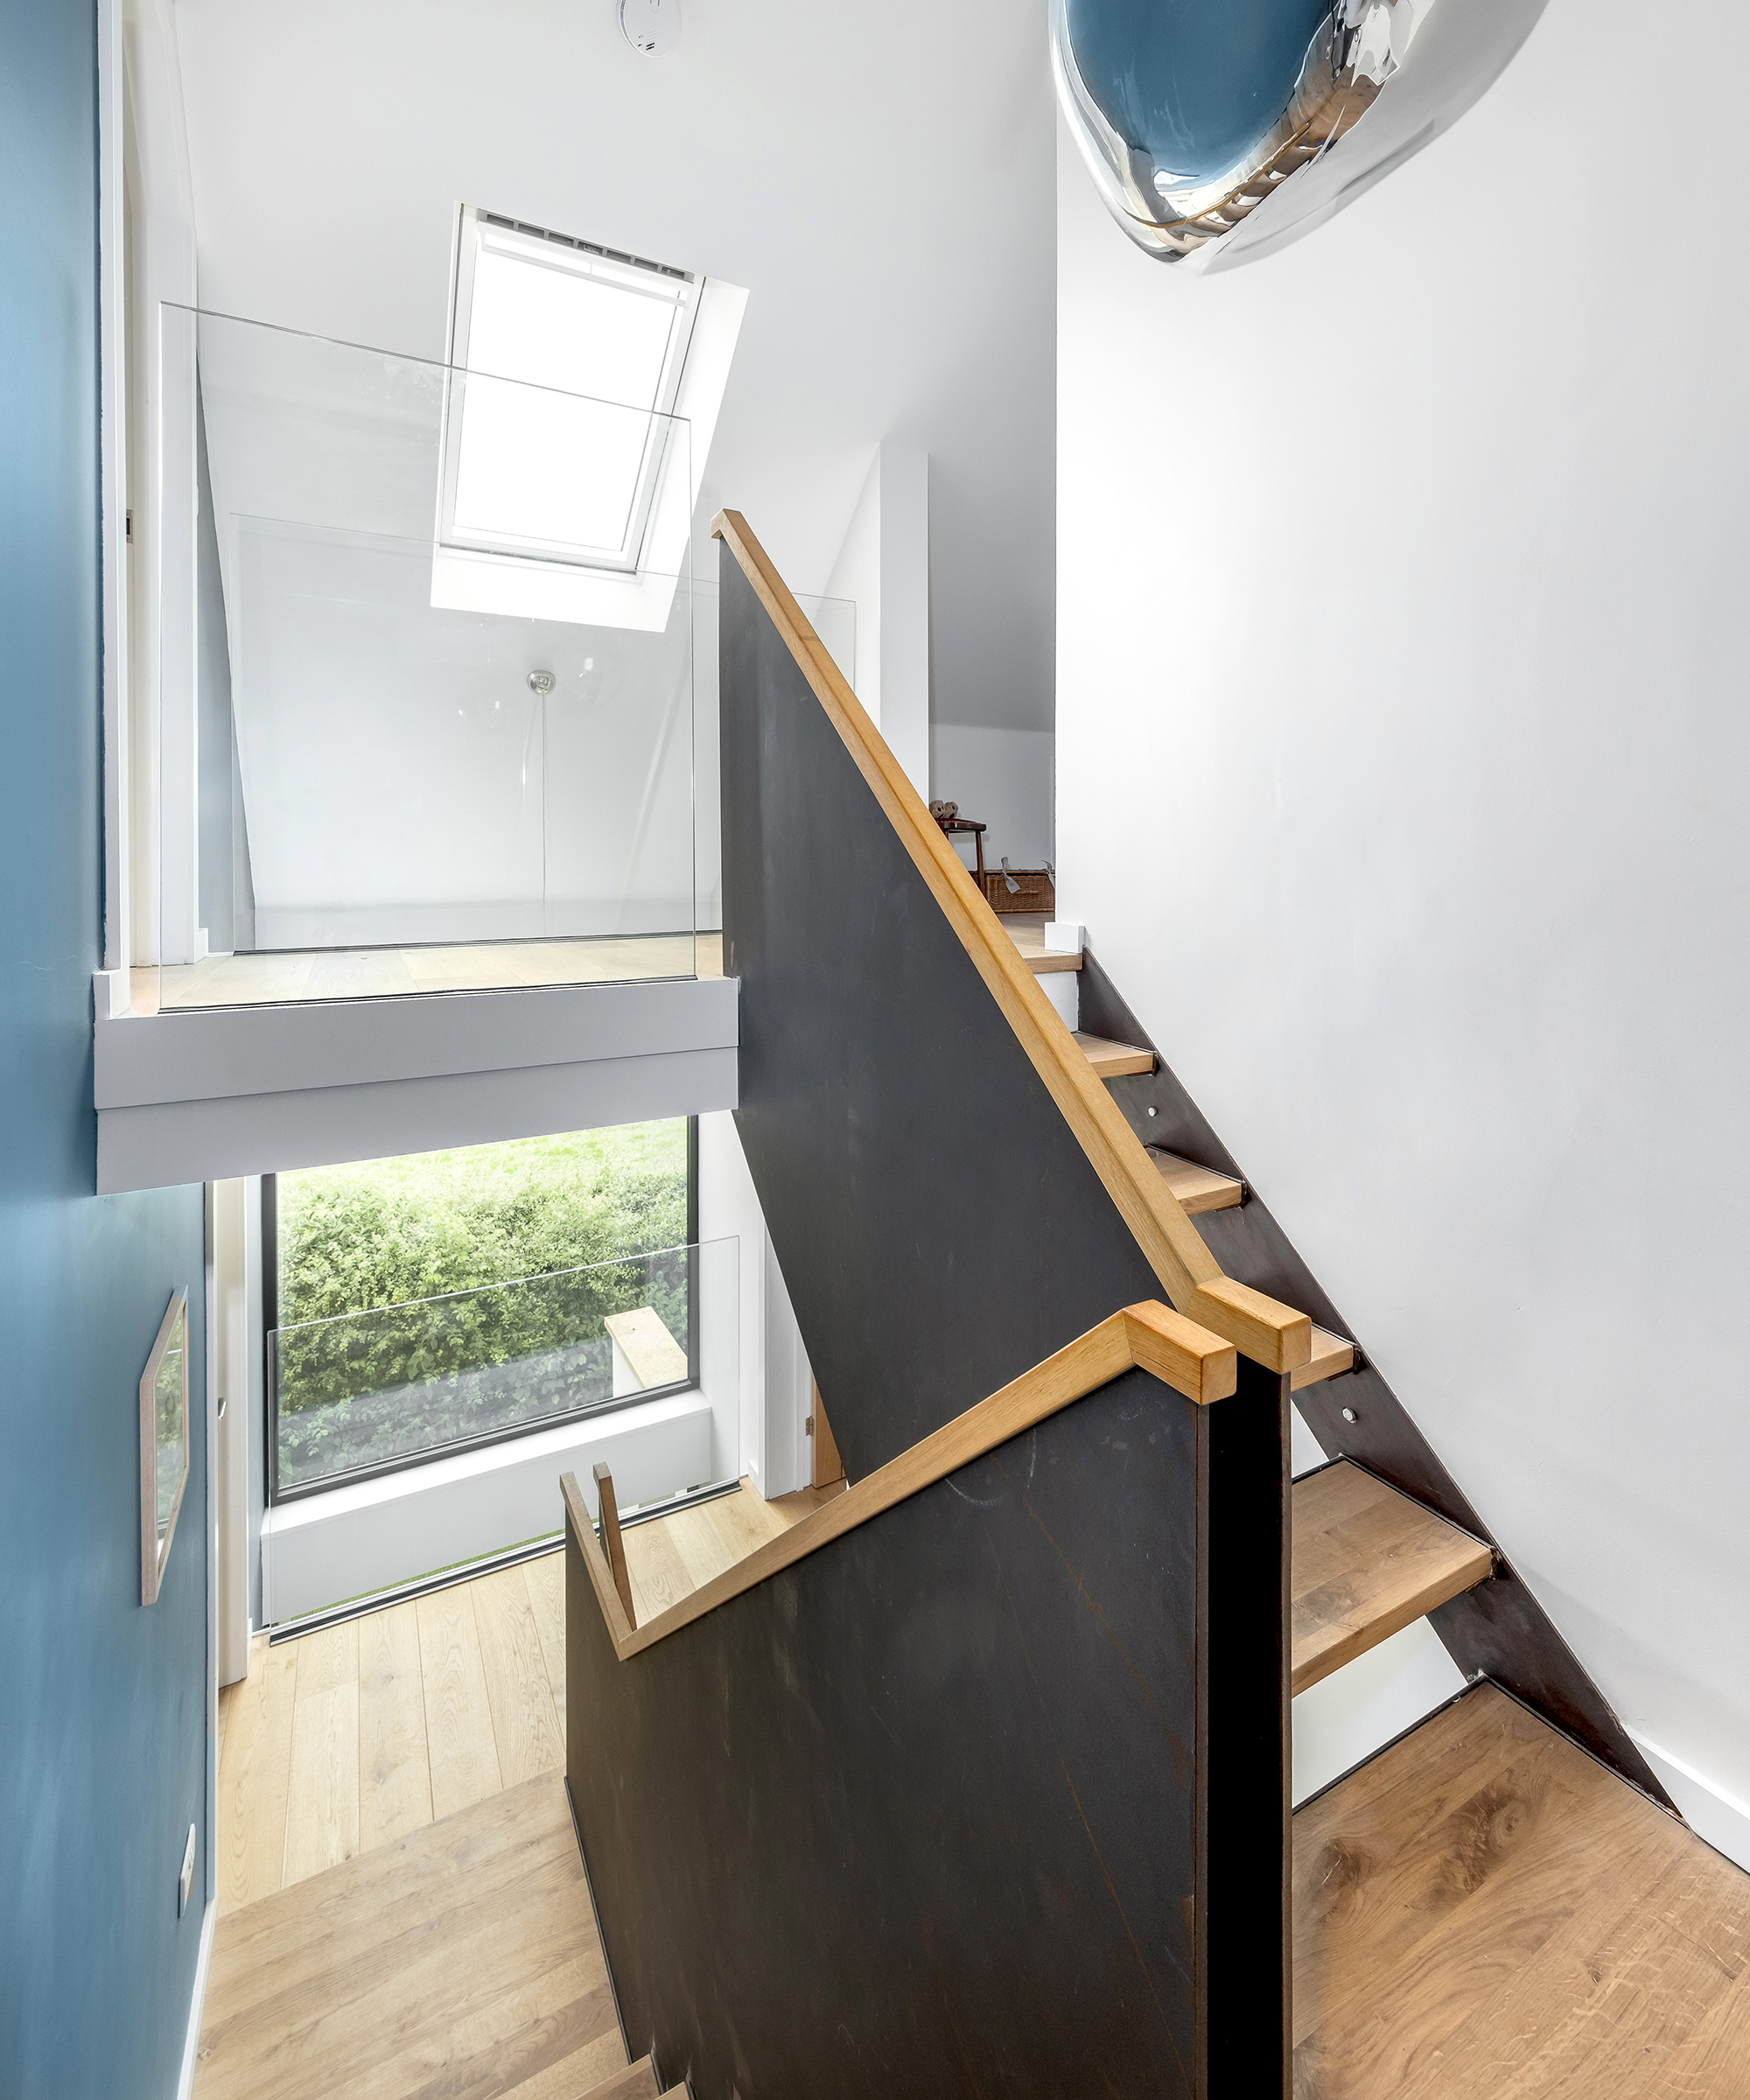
(479, 230)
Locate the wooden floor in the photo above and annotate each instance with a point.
(460, 1963)
(674, 1556)
(1484, 1913)
(276, 976)
(345, 1740)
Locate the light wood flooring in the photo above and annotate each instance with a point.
(1484, 1913)
(459, 1963)
(352, 1739)
(280, 976)
(276, 976)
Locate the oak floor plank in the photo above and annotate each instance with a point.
(1383, 1862)
(660, 1577)
(395, 1763)
(521, 2035)
(1484, 1912)
(1714, 2056)
(317, 2041)
(525, 1730)
(322, 1790)
(547, 1598)
(1367, 1562)
(636, 2081)
(576, 2076)
(1647, 1955)
(743, 1522)
(700, 1544)
(355, 1918)
(458, 1962)
(252, 1779)
(458, 1730)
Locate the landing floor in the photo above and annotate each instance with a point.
(291, 977)
(460, 1963)
(1483, 1912)
(344, 1741)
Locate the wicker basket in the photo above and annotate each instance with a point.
(1034, 893)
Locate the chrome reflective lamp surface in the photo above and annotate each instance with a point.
(1218, 130)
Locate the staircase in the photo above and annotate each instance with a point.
(459, 1961)
(977, 1779)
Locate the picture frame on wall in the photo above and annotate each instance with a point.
(164, 1444)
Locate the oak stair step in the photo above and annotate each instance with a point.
(1331, 1354)
(1028, 935)
(1198, 1188)
(636, 2081)
(1114, 1061)
(1367, 1562)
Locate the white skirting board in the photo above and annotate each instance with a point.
(197, 2004)
(1715, 1815)
(351, 1541)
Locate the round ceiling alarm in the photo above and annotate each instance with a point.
(652, 26)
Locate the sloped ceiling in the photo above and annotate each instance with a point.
(881, 178)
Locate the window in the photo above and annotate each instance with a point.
(567, 365)
(420, 1305)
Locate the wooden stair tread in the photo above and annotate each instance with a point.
(1366, 1562)
(1028, 935)
(1331, 1354)
(1199, 1189)
(594, 2072)
(467, 1948)
(1114, 1061)
(636, 2081)
(1484, 1910)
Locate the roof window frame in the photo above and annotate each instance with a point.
(480, 230)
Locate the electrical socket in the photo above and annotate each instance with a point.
(185, 1886)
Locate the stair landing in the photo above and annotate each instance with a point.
(1484, 1912)
(461, 1960)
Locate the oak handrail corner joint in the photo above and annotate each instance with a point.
(1202, 1367)
(1271, 1334)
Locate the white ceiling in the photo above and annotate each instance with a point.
(880, 177)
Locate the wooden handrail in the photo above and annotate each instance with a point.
(1270, 1333)
(1147, 1337)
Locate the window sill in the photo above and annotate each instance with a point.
(370, 1534)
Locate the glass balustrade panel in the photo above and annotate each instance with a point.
(418, 1437)
(424, 706)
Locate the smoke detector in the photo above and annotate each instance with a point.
(652, 26)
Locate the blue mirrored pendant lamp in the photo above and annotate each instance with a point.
(1218, 130)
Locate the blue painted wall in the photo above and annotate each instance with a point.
(102, 1705)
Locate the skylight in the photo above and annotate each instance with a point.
(568, 361)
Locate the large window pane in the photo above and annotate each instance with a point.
(436, 1300)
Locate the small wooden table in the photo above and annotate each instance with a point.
(952, 825)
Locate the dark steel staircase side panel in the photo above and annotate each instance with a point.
(918, 1814)
(939, 1228)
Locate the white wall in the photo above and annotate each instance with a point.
(1003, 777)
(881, 180)
(775, 1380)
(883, 568)
(1401, 743)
